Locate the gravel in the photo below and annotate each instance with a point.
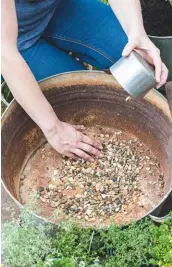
(104, 187)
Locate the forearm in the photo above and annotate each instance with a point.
(26, 91)
(129, 14)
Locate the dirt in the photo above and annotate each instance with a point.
(157, 17)
(45, 167)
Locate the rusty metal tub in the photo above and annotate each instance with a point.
(88, 98)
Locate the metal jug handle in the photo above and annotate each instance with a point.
(168, 89)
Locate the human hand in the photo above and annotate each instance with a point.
(69, 141)
(145, 47)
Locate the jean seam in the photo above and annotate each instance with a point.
(81, 43)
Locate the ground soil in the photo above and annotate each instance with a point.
(157, 16)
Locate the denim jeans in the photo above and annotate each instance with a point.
(88, 28)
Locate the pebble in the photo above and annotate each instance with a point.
(66, 211)
(63, 201)
(103, 196)
(51, 187)
(91, 219)
(55, 172)
(97, 187)
(43, 199)
(89, 212)
(101, 189)
(117, 209)
(23, 177)
(128, 98)
(71, 179)
(54, 204)
(47, 188)
(86, 218)
(40, 189)
(77, 196)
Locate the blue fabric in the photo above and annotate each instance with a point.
(33, 16)
(88, 28)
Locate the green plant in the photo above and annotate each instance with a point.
(70, 245)
(3, 107)
(74, 241)
(7, 93)
(6, 97)
(129, 247)
(161, 248)
(24, 244)
(113, 246)
(60, 262)
(105, 1)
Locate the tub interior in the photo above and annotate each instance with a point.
(89, 104)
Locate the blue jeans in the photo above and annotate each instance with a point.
(88, 28)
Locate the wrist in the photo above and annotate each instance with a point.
(51, 127)
(136, 32)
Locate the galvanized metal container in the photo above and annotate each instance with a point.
(134, 74)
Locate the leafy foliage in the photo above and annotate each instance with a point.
(24, 244)
(7, 93)
(161, 249)
(70, 245)
(104, 1)
(3, 107)
(129, 246)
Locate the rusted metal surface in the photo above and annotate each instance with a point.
(97, 77)
(40, 172)
(88, 98)
(169, 95)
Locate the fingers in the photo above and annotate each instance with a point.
(145, 55)
(158, 66)
(78, 127)
(82, 146)
(161, 71)
(81, 154)
(87, 148)
(164, 76)
(90, 149)
(72, 156)
(91, 142)
(128, 49)
(151, 54)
